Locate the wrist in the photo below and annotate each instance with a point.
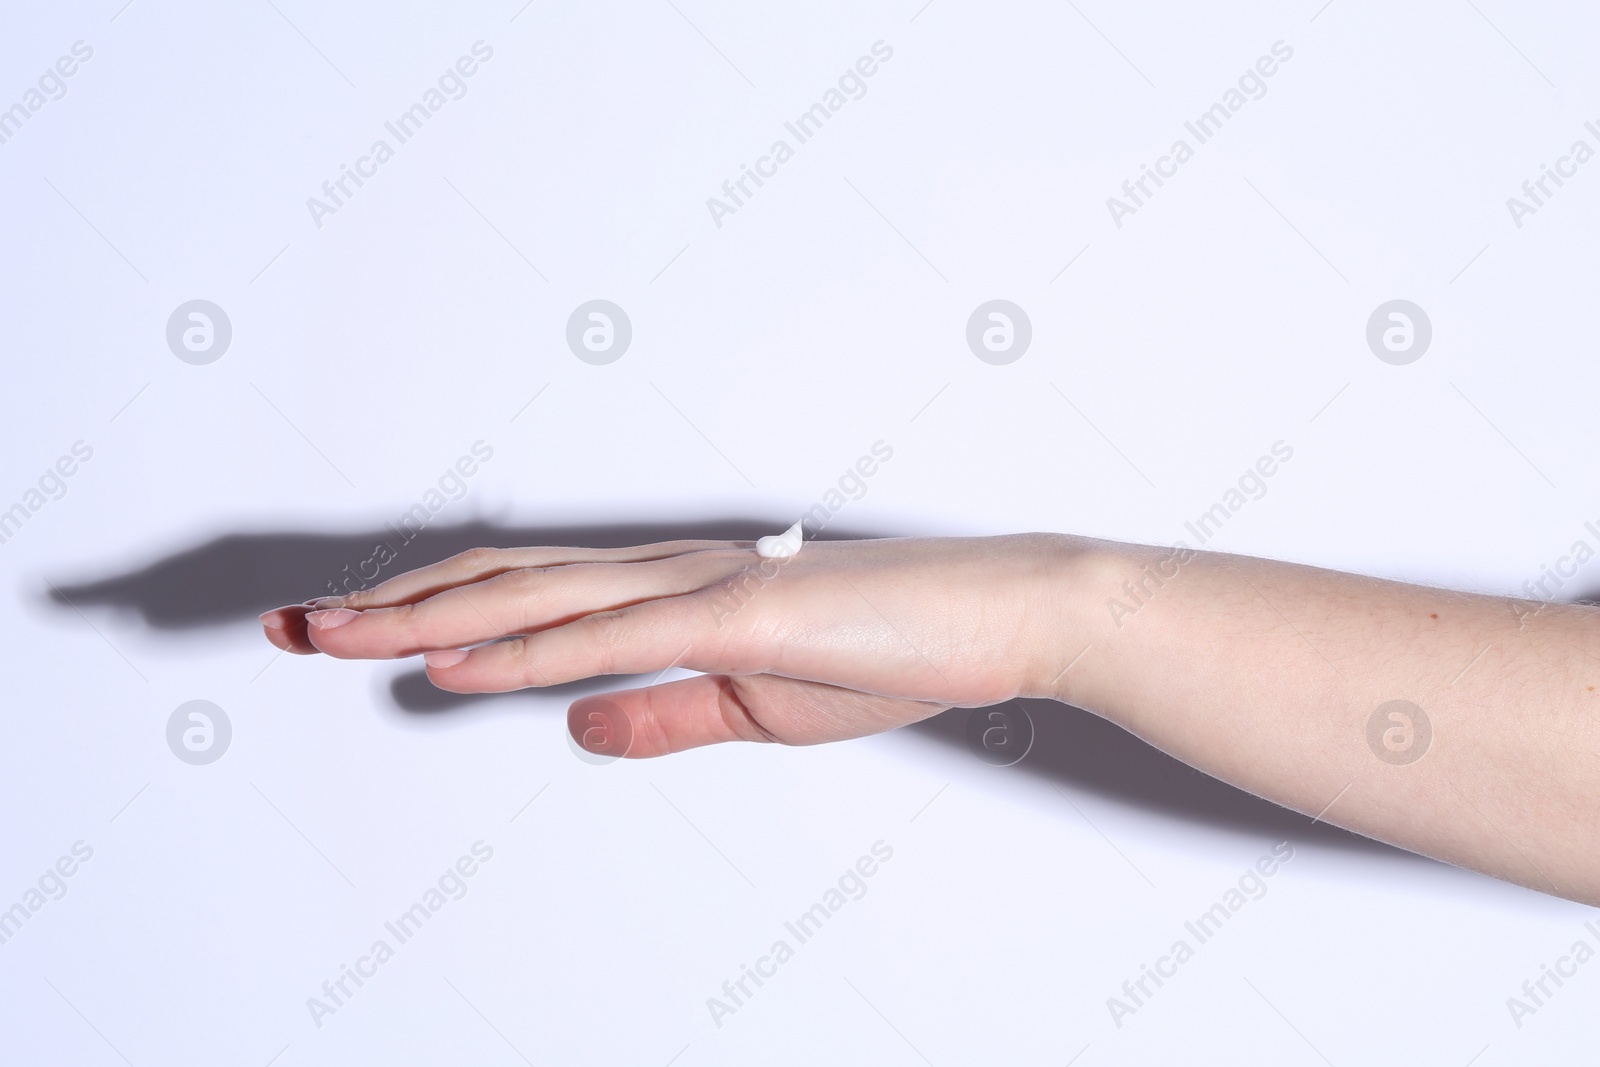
(1093, 588)
(1066, 611)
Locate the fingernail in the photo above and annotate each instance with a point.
(327, 620)
(448, 658)
(280, 618)
(323, 602)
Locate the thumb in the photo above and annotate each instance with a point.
(712, 708)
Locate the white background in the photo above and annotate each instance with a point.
(828, 313)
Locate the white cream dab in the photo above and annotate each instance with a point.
(781, 546)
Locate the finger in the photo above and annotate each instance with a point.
(712, 709)
(478, 564)
(855, 647)
(514, 602)
(285, 627)
(649, 636)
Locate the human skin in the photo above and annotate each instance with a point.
(1261, 673)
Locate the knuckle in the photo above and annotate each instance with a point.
(604, 626)
(734, 592)
(405, 618)
(524, 580)
(605, 632)
(738, 717)
(523, 589)
(476, 557)
(519, 654)
(525, 653)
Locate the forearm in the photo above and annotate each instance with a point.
(1266, 675)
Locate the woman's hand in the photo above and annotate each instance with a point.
(846, 639)
(1279, 678)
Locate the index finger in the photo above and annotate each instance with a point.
(285, 627)
(476, 564)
